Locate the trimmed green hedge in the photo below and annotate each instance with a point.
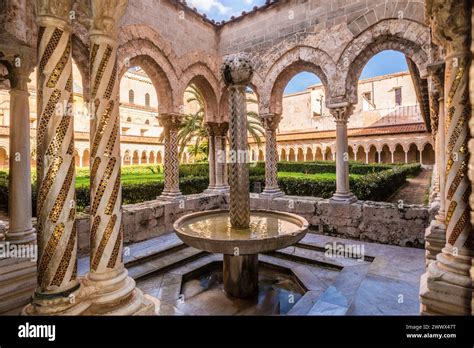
(375, 185)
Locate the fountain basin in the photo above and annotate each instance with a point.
(211, 231)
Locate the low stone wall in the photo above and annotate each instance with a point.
(368, 221)
(363, 220)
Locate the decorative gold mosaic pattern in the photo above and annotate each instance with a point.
(103, 242)
(115, 251)
(109, 209)
(64, 263)
(101, 69)
(68, 86)
(48, 181)
(459, 227)
(111, 85)
(104, 121)
(63, 193)
(48, 252)
(58, 139)
(109, 149)
(93, 234)
(56, 74)
(50, 47)
(457, 180)
(103, 185)
(449, 213)
(95, 167)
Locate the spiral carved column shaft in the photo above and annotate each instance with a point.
(270, 122)
(446, 287)
(57, 239)
(170, 124)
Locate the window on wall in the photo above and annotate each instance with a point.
(147, 99)
(147, 122)
(398, 96)
(131, 96)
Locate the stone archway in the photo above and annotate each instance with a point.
(399, 154)
(319, 154)
(300, 155)
(361, 154)
(291, 155)
(413, 155)
(385, 154)
(428, 154)
(373, 154)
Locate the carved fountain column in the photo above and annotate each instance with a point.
(115, 292)
(446, 287)
(58, 288)
(237, 73)
(170, 124)
(270, 123)
(341, 113)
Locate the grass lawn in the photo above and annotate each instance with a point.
(126, 178)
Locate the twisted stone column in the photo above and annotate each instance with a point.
(471, 142)
(270, 123)
(170, 124)
(446, 287)
(115, 292)
(341, 113)
(57, 238)
(237, 72)
(436, 233)
(19, 184)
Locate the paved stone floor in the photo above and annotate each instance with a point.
(415, 190)
(300, 280)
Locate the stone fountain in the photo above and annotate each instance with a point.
(239, 233)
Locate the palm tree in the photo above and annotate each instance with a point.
(194, 134)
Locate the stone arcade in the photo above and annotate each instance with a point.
(177, 46)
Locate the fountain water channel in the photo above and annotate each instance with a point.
(239, 233)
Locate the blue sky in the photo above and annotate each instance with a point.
(385, 62)
(223, 9)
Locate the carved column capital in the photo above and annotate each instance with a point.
(237, 69)
(106, 15)
(20, 65)
(170, 121)
(54, 13)
(341, 112)
(270, 121)
(217, 128)
(450, 24)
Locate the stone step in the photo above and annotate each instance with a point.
(142, 251)
(162, 263)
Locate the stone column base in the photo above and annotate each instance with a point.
(218, 189)
(25, 237)
(435, 240)
(272, 193)
(343, 198)
(445, 293)
(171, 196)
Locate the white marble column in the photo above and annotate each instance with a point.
(211, 157)
(341, 113)
(19, 185)
(115, 292)
(56, 230)
(217, 156)
(446, 288)
(171, 123)
(270, 123)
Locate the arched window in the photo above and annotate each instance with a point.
(131, 96)
(147, 99)
(129, 119)
(147, 122)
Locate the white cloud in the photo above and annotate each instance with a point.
(209, 5)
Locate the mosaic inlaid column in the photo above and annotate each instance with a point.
(270, 123)
(446, 287)
(471, 143)
(19, 184)
(171, 124)
(341, 115)
(435, 238)
(56, 231)
(237, 73)
(115, 292)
